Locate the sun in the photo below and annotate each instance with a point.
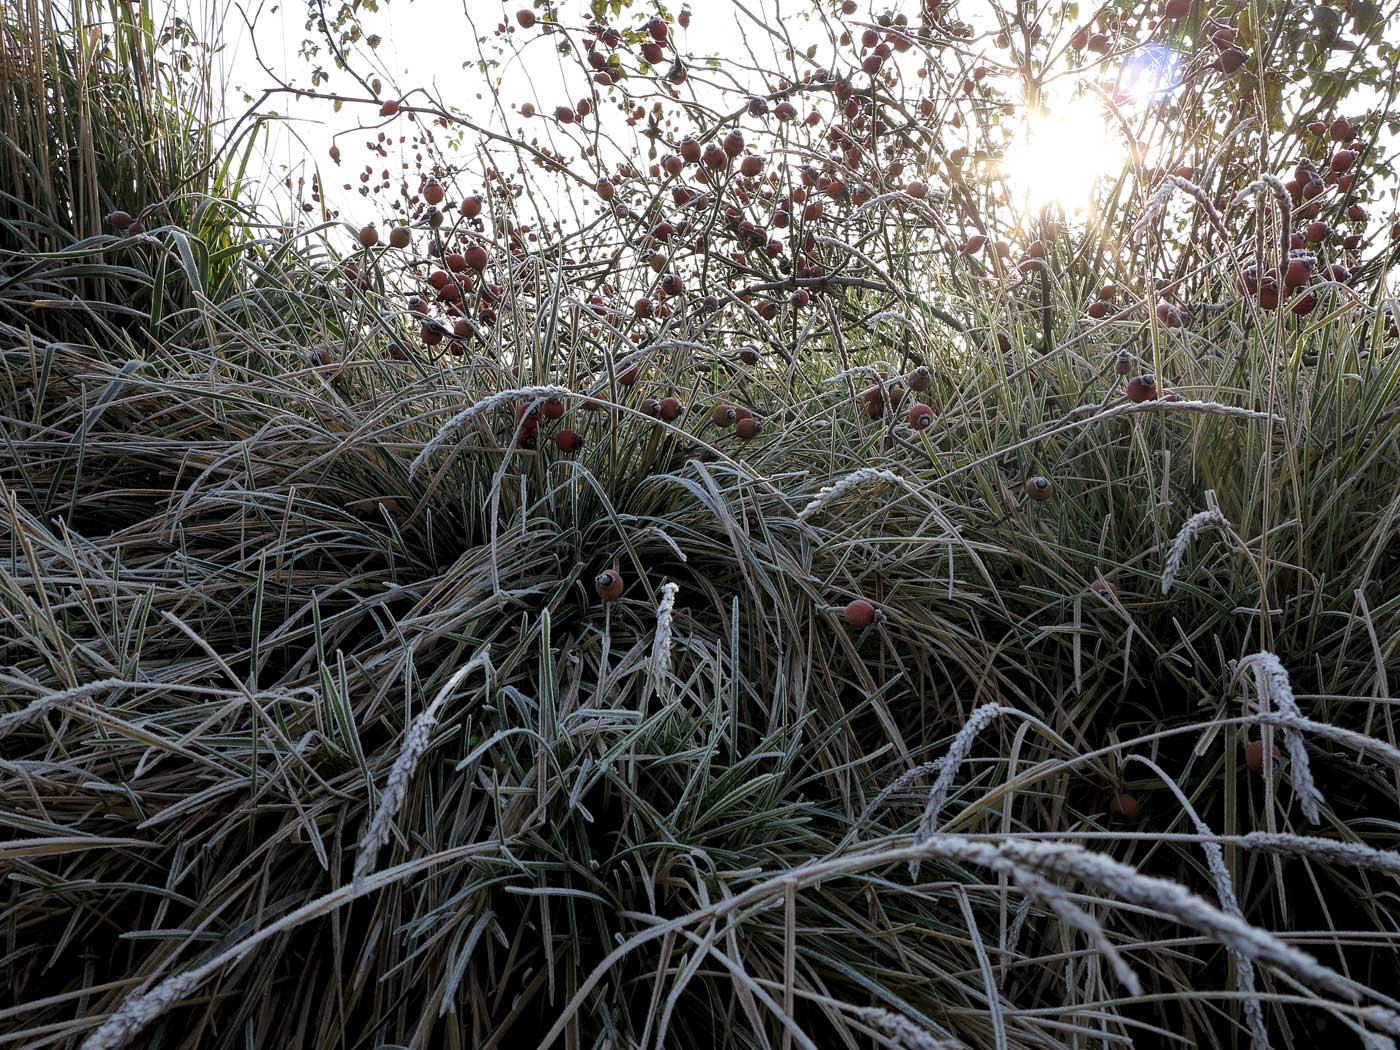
(1059, 154)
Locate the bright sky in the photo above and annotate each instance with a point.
(433, 43)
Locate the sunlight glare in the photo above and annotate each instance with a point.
(1150, 74)
(1059, 156)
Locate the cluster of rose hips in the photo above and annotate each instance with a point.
(1271, 286)
(723, 416)
(1309, 182)
(1306, 188)
(461, 274)
(715, 160)
(885, 397)
(668, 409)
(527, 425)
(730, 198)
(1102, 42)
(1170, 315)
(1083, 40)
(1099, 307)
(371, 182)
(664, 235)
(746, 427)
(125, 222)
(1230, 57)
(607, 69)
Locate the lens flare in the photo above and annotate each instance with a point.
(1058, 156)
(1150, 74)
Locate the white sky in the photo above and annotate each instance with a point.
(433, 43)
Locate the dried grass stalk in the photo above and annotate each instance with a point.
(1206, 519)
(416, 741)
(1271, 682)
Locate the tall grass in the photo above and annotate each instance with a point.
(315, 733)
(104, 111)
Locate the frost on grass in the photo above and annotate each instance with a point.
(1370, 745)
(957, 751)
(138, 1011)
(1211, 408)
(854, 480)
(665, 613)
(894, 317)
(1353, 854)
(875, 371)
(36, 708)
(903, 780)
(1129, 885)
(1272, 185)
(898, 1031)
(1076, 918)
(1206, 519)
(1027, 861)
(416, 741)
(1229, 903)
(1155, 205)
(641, 355)
(1271, 683)
(486, 404)
(1163, 195)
